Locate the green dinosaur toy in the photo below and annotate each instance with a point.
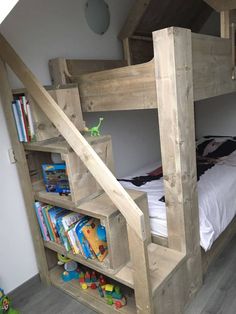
(5, 304)
(95, 130)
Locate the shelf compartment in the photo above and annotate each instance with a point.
(82, 183)
(103, 209)
(163, 262)
(90, 297)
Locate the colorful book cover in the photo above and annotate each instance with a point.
(43, 228)
(45, 209)
(70, 219)
(98, 246)
(17, 121)
(52, 215)
(82, 241)
(72, 240)
(55, 178)
(61, 232)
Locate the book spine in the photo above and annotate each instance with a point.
(26, 131)
(17, 121)
(19, 112)
(31, 123)
(44, 211)
(37, 206)
(72, 241)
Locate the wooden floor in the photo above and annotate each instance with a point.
(217, 296)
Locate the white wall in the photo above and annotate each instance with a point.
(40, 30)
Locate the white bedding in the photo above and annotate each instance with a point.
(216, 199)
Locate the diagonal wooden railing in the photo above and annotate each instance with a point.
(137, 234)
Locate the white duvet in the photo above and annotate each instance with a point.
(216, 200)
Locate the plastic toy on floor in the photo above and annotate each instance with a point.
(70, 267)
(5, 304)
(95, 130)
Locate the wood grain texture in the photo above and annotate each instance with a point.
(62, 70)
(174, 77)
(221, 5)
(103, 175)
(6, 99)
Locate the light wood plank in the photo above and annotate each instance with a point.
(174, 77)
(222, 5)
(6, 99)
(103, 175)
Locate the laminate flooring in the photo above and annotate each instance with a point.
(217, 295)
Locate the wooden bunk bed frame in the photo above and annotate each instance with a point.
(186, 67)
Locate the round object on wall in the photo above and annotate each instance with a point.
(97, 15)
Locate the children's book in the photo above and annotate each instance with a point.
(90, 232)
(81, 240)
(45, 209)
(42, 224)
(17, 121)
(61, 232)
(53, 213)
(70, 219)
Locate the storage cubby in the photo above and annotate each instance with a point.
(102, 208)
(81, 182)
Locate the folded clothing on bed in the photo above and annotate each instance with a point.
(216, 168)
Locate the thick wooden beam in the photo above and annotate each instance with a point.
(95, 165)
(222, 5)
(174, 84)
(226, 19)
(22, 168)
(133, 18)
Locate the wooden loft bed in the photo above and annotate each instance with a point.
(134, 87)
(186, 67)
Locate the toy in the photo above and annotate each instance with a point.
(84, 286)
(93, 286)
(102, 281)
(87, 277)
(55, 178)
(101, 293)
(5, 304)
(70, 267)
(95, 130)
(93, 277)
(81, 278)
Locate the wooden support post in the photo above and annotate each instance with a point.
(226, 19)
(126, 49)
(174, 83)
(6, 99)
(141, 273)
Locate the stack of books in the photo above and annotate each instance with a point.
(76, 232)
(23, 118)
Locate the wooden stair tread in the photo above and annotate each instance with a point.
(99, 207)
(59, 145)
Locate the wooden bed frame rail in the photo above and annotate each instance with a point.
(133, 87)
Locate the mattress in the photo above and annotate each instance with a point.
(216, 199)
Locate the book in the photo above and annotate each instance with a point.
(22, 120)
(42, 224)
(53, 213)
(98, 246)
(55, 178)
(45, 209)
(70, 219)
(61, 232)
(17, 121)
(81, 240)
(31, 123)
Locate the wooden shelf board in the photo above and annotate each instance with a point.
(88, 297)
(59, 145)
(162, 263)
(99, 207)
(124, 275)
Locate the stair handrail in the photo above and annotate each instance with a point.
(129, 209)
